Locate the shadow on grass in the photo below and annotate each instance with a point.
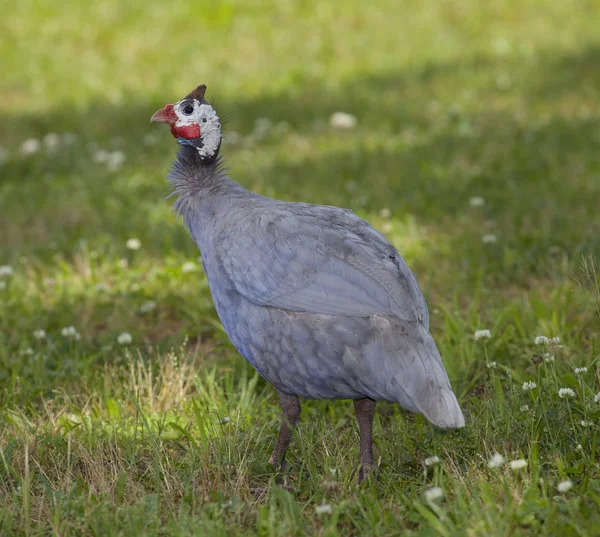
(422, 159)
(580, 73)
(380, 100)
(536, 176)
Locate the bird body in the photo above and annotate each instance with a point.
(318, 301)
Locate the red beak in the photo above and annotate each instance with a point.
(165, 115)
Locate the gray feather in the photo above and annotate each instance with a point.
(314, 298)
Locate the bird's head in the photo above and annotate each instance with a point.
(193, 122)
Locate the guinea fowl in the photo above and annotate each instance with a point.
(319, 302)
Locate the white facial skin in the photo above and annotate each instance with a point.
(190, 111)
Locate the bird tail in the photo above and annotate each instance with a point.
(444, 410)
(424, 383)
(438, 402)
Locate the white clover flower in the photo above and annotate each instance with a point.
(554, 342)
(517, 464)
(430, 461)
(148, 306)
(492, 365)
(548, 358)
(529, 385)
(39, 334)
(27, 352)
(579, 447)
(70, 332)
(386, 227)
(115, 160)
(476, 201)
(566, 393)
(224, 420)
(565, 486)
(324, 508)
(584, 423)
(342, 120)
(51, 141)
(433, 493)
(262, 126)
(482, 334)
(189, 266)
(542, 340)
(496, 461)
(385, 213)
(263, 123)
(351, 185)
(597, 398)
(29, 147)
(524, 408)
(150, 139)
(6, 271)
(502, 46)
(124, 338)
(100, 156)
(489, 238)
(133, 244)
(580, 370)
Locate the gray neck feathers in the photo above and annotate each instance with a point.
(191, 175)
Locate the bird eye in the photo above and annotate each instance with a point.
(188, 109)
(204, 120)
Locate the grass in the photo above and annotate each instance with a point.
(171, 434)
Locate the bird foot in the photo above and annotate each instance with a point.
(281, 468)
(366, 472)
(279, 465)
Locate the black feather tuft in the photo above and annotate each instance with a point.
(189, 175)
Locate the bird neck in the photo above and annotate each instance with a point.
(192, 176)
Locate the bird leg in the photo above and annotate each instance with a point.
(365, 411)
(290, 407)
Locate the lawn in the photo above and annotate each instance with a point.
(124, 410)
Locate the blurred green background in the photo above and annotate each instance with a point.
(473, 144)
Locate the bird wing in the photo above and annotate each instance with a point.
(320, 260)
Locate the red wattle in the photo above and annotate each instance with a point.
(189, 132)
